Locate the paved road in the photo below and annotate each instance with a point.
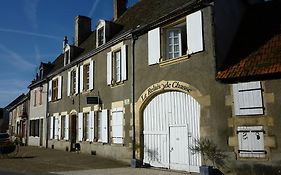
(41, 161)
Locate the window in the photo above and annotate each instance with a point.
(86, 76)
(101, 38)
(52, 127)
(182, 37)
(55, 90)
(86, 122)
(74, 81)
(117, 66)
(117, 125)
(34, 128)
(40, 97)
(175, 41)
(103, 126)
(63, 127)
(67, 56)
(35, 96)
(251, 141)
(248, 98)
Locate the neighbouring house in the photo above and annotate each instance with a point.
(18, 117)
(249, 63)
(37, 130)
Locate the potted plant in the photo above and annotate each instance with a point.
(210, 154)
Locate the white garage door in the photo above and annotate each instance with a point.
(171, 125)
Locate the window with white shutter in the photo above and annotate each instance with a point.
(117, 66)
(103, 126)
(117, 125)
(92, 126)
(50, 91)
(251, 141)
(86, 126)
(91, 75)
(59, 87)
(154, 46)
(248, 98)
(56, 131)
(81, 78)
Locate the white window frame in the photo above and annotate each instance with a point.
(248, 98)
(103, 126)
(251, 141)
(111, 66)
(173, 44)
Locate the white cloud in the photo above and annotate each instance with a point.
(92, 11)
(30, 10)
(16, 60)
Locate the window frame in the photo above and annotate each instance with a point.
(73, 81)
(86, 76)
(55, 89)
(115, 79)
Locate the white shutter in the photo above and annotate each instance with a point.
(59, 87)
(51, 127)
(68, 83)
(104, 126)
(124, 62)
(81, 78)
(91, 76)
(66, 134)
(117, 125)
(109, 68)
(194, 31)
(154, 46)
(92, 126)
(50, 91)
(59, 128)
(77, 80)
(248, 98)
(251, 141)
(80, 126)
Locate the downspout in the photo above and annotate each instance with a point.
(47, 114)
(133, 96)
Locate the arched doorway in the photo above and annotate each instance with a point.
(171, 123)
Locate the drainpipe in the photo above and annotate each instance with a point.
(47, 114)
(133, 96)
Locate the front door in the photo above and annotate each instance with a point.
(73, 132)
(41, 132)
(179, 148)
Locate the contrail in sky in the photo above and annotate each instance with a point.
(30, 33)
(93, 8)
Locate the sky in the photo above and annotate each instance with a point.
(32, 31)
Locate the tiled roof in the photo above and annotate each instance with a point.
(256, 52)
(264, 61)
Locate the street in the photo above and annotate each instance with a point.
(42, 161)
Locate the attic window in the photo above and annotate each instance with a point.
(67, 55)
(100, 36)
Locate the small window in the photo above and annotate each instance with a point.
(101, 36)
(73, 81)
(40, 97)
(62, 126)
(35, 96)
(117, 66)
(55, 90)
(86, 76)
(86, 119)
(251, 141)
(34, 128)
(67, 57)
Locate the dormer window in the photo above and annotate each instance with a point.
(100, 33)
(41, 73)
(66, 55)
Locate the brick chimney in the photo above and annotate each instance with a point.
(120, 6)
(82, 29)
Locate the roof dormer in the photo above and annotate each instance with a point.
(101, 34)
(67, 54)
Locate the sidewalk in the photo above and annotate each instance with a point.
(35, 160)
